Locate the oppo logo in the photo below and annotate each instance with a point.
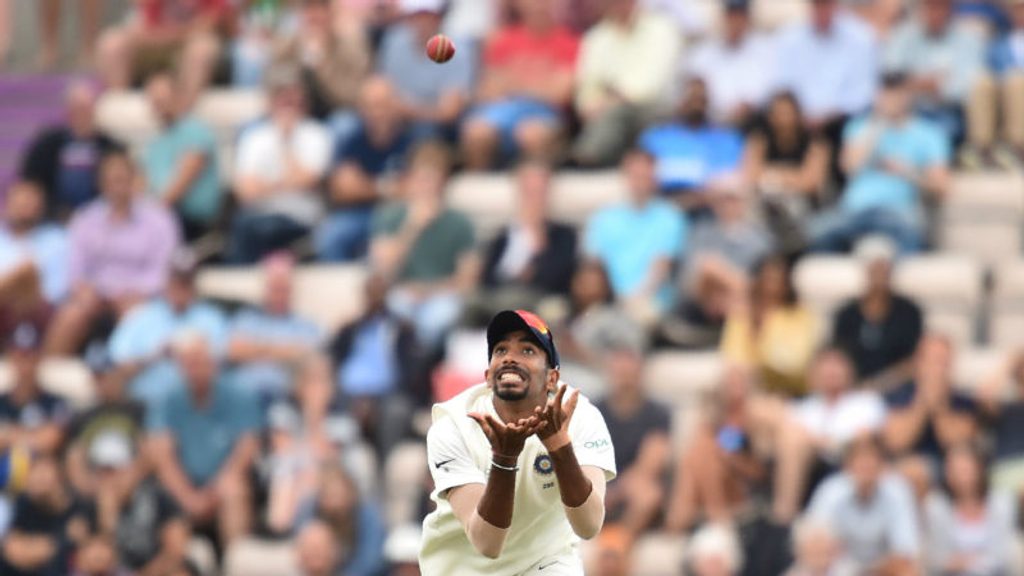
(596, 444)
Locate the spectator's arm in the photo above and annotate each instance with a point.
(936, 180)
(241, 458)
(810, 179)
(952, 428)
(654, 455)
(190, 168)
(45, 439)
(859, 148)
(753, 163)
(251, 188)
(174, 538)
(350, 184)
(169, 470)
(242, 350)
(28, 552)
(891, 377)
(903, 427)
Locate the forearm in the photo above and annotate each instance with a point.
(488, 527)
(904, 427)
(584, 507)
(188, 172)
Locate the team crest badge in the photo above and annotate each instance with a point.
(543, 465)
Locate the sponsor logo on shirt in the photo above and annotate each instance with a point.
(597, 444)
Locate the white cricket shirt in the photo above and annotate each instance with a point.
(458, 453)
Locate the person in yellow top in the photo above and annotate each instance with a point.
(768, 330)
(519, 474)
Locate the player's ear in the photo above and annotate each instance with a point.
(552, 380)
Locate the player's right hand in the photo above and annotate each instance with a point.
(507, 440)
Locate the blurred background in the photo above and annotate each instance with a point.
(246, 244)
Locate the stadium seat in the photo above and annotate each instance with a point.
(973, 365)
(990, 241)
(201, 553)
(976, 195)
(825, 283)
(404, 473)
(577, 195)
(947, 287)
(228, 110)
(1007, 306)
(127, 116)
(68, 378)
(659, 554)
(253, 557)
(776, 14)
(680, 379)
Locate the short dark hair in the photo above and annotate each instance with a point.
(894, 79)
(980, 458)
(868, 441)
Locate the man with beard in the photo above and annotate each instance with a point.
(487, 520)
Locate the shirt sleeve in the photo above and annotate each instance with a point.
(315, 150)
(248, 156)
(449, 459)
(591, 440)
(165, 239)
(903, 528)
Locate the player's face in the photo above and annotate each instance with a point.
(518, 368)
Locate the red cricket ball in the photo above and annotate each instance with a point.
(440, 48)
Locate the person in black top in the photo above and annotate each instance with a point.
(639, 429)
(30, 417)
(533, 256)
(64, 160)
(46, 526)
(881, 329)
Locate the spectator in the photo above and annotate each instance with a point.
(819, 427)
(692, 153)
(613, 556)
(533, 256)
(113, 413)
(871, 510)
(181, 161)
(994, 109)
(1001, 397)
(720, 468)
(527, 78)
(182, 33)
(970, 526)
(278, 171)
(818, 551)
(30, 417)
(33, 254)
(715, 551)
(333, 54)
(739, 67)
(376, 360)
(140, 344)
(355, 524)
(626, 65)
(121, 246)
(402, 550)
(203, 443)
(638, 242)
(881, 329)
(305, 433)
(89, 18)
(316, 551)
(830, 63)
(258, 27)
(891, 158)
(425, 249)
(262, 342)
(65, 159)
(639, 429)
(943, 60)
(366, 162)
(433, 99)
(786, 162)
(927, 416)
(770, 331)
(96, 556)
(46, 525)
(129, 508)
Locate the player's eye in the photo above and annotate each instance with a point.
(499, 350)
(529, 351)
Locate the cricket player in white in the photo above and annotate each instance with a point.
(519, 471)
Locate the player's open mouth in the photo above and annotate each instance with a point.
(511, 376)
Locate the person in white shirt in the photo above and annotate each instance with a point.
(519, 475)
(820, 426)
(279, 166)
(738, 66)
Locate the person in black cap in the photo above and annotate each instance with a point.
(515, 424)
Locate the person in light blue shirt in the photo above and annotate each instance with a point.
(203, 440)
(692, 153)
(142, 340)
(28, 247)
(181, 162)
(638, 242)
(264, 341)
(433, 97)
(891, 158)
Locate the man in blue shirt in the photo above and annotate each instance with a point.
(33, 255)
(142, 341)
(890, 157)
(996, 106)
(692, 153)
(203, 438)
(638, 242)
(181, 162)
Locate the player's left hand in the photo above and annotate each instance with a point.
(554, 418)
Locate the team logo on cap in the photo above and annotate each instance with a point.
(543, 464)
(533, 321)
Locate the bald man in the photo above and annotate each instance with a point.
(64, 159)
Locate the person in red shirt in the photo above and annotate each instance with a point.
(527, 80)
(162, 32)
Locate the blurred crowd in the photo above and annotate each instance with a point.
(831, 446)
